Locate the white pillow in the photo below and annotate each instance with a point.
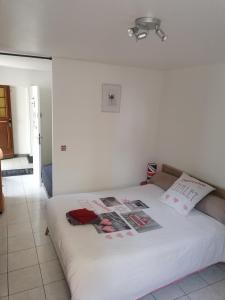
(185, 193)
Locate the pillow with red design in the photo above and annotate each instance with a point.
(185, 193)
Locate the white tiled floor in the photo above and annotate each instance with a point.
(16, 163)
(29, 267)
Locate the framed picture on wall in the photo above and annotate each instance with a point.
(111, 97)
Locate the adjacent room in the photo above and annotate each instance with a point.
(112, 147)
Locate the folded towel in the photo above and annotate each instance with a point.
(82, 216)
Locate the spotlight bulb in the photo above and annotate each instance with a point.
(132, 31)
(141, 35)
(161, 34)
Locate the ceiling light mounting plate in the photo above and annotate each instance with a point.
(148, 23)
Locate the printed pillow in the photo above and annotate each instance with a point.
(185, 193)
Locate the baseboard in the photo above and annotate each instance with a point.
(17, 172)
(21, 155)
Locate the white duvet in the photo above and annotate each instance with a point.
(127, 268)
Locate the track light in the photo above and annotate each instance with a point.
(144, 25)
(161, 34)
(132, 31)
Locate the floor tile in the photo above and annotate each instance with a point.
(36, 205)
(57, 291)
(51, 271)
(18, 219)
(3, 219)
(168, 293)
(3, 263)
(34, 294)
(212, 274)
(22, 259)
(41, 239)
(4, 298)
(221, 266)
(19, 229)
(192, 283)
(37, 213)
(3, 285)
(3, 231)
(24, 279)
(17, 213)
(19, 208)
(35, 196)
(206, 293)
(39, 225)
(219, 288)
(46, 253)
(147, 297)
(21, 242)
(14, 191)
(12, 200)
(3, 246)
(38, 222)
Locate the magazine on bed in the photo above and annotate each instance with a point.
(135, 204)
(111, 222)
(140, 221)
(110, 201)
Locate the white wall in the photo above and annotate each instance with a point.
(105, 150)
(21, 120)
(192, 123)
(25, 78)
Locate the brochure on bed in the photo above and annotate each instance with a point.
(148, 245)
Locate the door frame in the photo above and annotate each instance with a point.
(35, 107)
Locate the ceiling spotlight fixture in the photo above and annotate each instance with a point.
(144, 25)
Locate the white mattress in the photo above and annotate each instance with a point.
(128, 268)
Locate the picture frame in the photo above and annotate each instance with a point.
(111, 97)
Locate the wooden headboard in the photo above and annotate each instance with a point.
(176, 172)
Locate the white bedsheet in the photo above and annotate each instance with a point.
(128, 268)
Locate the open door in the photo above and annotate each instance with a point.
(36, 132)
(6, 133)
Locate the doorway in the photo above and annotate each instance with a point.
(27, 83)
(26, 130)
(20, 162)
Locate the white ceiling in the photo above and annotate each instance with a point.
(96, 30)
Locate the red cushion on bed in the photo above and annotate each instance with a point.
(83, 216)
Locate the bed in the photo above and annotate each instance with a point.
(46, 176)
(128, 265)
